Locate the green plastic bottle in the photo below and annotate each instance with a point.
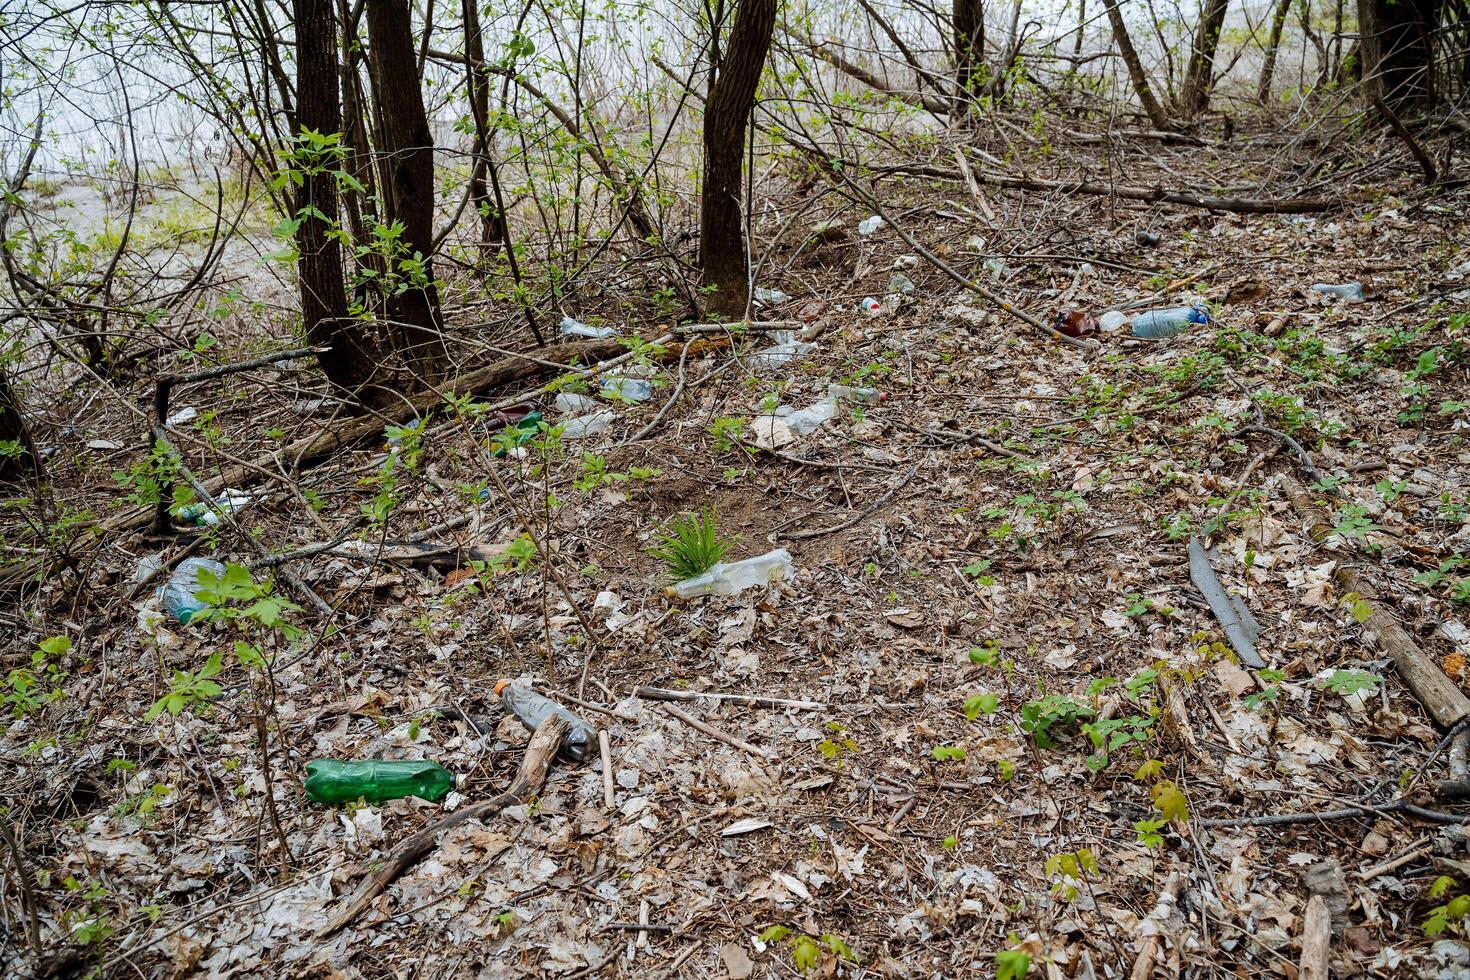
(376, 780)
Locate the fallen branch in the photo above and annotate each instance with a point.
(663, 694)
(1316, 940)
(1347, 813)
(1239, 625)
(1143, 966)
(1431, 173)
(542, 748)
(714, 732)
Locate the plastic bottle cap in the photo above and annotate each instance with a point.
(501, 685)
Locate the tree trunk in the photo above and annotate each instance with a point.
(407, 142)
(1199, 77)
(16, 435)
(492, 228)
(967, 19)
(1151, 107)
(723, 259)
(1397, 51)
(349, 361)
(1268, 70)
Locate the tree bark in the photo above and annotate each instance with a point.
(723, 261)
(1398, 51)
(492, 222)
(967, 20)
(349, 362)
(1199, 76)
(409, 146)
(1151, 107)
(13, 429)
(1268, 70)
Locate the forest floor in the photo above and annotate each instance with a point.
(958, 612)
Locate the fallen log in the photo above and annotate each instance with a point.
(1239, 625)
(535, 764)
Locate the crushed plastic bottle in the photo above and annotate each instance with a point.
(628, 389)
(862, 396)
(1112, 320)
(869, 225)
(584, 426)
(576, 328)
(376, 780)
(1168, 322)
(871, 306)
(532, 709)
(210, 514)
(780, 354)
(771, 297)
(571, 403)
(906, 262)
(1348, 292)
(807, 420)
(997, 268)
(181, 591)
(728, 578)
(901, 284)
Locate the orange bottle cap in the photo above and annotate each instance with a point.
(501, 685)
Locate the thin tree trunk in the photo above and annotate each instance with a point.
(967, 20)
(408, 143)
(17, 434)
(1268, 70)
(1081, 25)
(723, 259)
(492, 222)
(1151, 107)
(349, 362)
(1199, 77)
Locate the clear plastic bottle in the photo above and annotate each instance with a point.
(1348, 292)
(1168, 322)
(571, 403)
(861, 396)
(576, 328)
(1111, 320)
(900, 284)
(728, 578)
(871, 306)
(869, 225)
(181, 591)
(629, 389)
(376, 780)
(809, 419)
(210, 514)
(532, 709)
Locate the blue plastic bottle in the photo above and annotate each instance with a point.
(180, 593)
(1168, 322)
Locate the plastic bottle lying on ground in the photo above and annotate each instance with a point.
(532, 709)
(900, 284)
(571, 403)
(871, 306)
(863, 396)
(728, 578)
(1348, 292)
(780, 354)
(807, 420)
(630, 389)
(1168, 322)
(181, 591)
(210, 514)
(587, 425)
(376, 780)
(869, 225)
(773, 297)
(576, 328)
(1112, 320)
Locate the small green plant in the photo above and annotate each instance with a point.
(838, 741)
(690, 545)
(1450, 915)
(1269, 693)
(1070, 866)
(1350, 682)
(188, 687)
(726, 432)
(1012, 964)
(1044, 718)
(26, 688)
(807, 950)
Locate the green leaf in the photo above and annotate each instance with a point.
(948, 753)
(1011, 964)
(1441, 886)
(981, 704)
(805, 953)
(774, 934)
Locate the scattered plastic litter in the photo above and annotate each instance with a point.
(576, 328)
(210, 514)
(571, 403)
(728, 578)
(869, 225)
(1075, 323)
(181, 416)
(629, 389)
(532, 709)
(376, 780)
(1168, 322)
(780, 354)
(1146, 238)
(587, 425)
(147, 566)
(1112, 320)
(806, 420)
(1348, 292)
(864, 396)
(906, 262)
(997, 268)
(181, 591)
(901, 284)
(771, 297)
(871, 306)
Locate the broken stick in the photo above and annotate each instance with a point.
(1316, 940)
(535, 764)
(714, 732)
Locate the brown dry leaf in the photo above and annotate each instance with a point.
(906, 618)
(1233, 679)
(738, 965)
